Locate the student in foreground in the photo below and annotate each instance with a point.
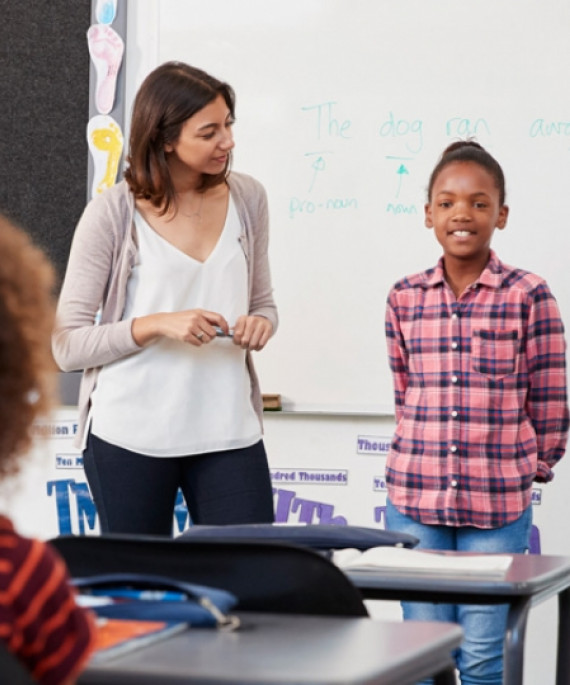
(174, 260)
(39, 619)
(477, 353)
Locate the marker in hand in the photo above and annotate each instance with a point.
(220, 333)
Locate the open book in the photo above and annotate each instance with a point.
(117, 636)
(405, 560)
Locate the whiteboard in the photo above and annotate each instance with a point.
(343, 108)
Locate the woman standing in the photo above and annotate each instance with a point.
(167, 292)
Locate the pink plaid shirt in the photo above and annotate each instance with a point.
(480, 391)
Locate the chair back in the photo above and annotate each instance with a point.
(265, 575)
(12, 670)
(315, 536)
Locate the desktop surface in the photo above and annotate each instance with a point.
(530, 579)
(279, 648)
(528, 575)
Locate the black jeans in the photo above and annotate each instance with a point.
(135, 493)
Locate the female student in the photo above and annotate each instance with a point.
(40, 623)
(477, 353)
(167, 292)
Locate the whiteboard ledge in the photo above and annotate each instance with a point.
(334, 410)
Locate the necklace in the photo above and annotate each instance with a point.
(194, 215)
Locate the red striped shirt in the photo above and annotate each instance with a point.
(39, 619)
(480, 392)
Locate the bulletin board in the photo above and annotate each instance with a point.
(44, 90)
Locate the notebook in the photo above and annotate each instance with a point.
(403, 560)
(117, 636)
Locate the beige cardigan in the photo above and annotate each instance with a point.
(103, 253)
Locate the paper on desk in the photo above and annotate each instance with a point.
(116, 636)
(416, 561)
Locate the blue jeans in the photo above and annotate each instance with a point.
(480, 657)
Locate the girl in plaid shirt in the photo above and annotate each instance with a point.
(477, 353)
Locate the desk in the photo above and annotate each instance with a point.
(530, 579)
(293, 649)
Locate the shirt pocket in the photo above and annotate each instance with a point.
(494, 353)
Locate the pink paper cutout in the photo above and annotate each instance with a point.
(106, 48)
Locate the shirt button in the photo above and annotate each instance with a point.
(454, 315)
(453, 448)
(453, 483)
(454, 414)
(454, 379)
(454, 345)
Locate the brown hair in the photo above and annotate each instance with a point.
(27, 369)
(168, 96)
(470, 151)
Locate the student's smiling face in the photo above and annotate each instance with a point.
(464, 211)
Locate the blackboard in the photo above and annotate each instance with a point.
(343, 107)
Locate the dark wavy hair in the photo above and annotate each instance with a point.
(168, 96)
(470, 151)
(27, 368)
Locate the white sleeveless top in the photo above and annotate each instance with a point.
(172, 398)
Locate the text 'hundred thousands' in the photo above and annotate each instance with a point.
(310, 476)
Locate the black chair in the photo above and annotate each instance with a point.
(264, 576)
(320, 537)
(12, 671)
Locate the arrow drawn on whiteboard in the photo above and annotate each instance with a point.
(317, 165)
(401, 171)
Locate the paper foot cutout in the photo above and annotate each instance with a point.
(105, 140)
(106, 11)
(106, 48)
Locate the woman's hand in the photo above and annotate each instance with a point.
(252, 332)
(194, 326)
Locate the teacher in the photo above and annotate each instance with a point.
(166, 294)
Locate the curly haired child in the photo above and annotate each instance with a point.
(40, 622)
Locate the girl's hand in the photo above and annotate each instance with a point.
(194, 326)
(252, 332)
